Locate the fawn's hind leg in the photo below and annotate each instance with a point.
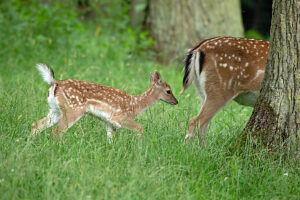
(69, 117)
(52, 118)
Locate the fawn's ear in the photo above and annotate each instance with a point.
(155, 78)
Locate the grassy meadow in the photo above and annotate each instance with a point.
(83, 164)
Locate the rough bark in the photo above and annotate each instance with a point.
(275, 121)
(177, 25)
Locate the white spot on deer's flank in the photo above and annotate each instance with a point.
(231, 68)
(246, 64)
(229, 83)
(258, 73)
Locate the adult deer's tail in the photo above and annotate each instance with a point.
(193, 62)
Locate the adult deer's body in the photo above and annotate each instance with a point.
(70, 99)
(224, 68)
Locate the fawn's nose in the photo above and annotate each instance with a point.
(175, 102)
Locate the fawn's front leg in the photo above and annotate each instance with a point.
(110, 129)
(132, 125)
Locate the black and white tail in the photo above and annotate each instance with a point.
(193, 64)
(47, 73)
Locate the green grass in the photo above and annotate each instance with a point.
(83, 165)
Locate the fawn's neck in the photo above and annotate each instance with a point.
(145, 100)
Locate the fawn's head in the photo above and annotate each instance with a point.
(164, 89)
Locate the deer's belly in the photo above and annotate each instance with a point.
(102, 114)
(247, 98)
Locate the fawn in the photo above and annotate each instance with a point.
(224, 68)
(70, 99)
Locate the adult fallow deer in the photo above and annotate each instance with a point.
(223, 68)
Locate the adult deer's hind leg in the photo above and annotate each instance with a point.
(210, 107)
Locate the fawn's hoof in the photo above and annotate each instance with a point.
(33, 128)
(188, 137)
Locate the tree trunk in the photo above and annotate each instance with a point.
(275, 121)
(137, 13)
(177, 25)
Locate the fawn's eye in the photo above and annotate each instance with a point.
(169, 91)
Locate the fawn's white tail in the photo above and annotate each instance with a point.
(47, 73)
